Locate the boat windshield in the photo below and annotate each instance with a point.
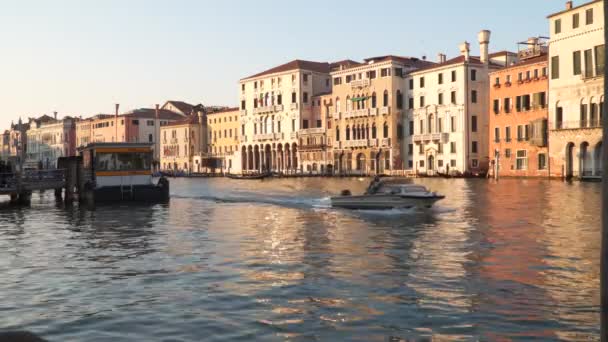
(400, 189)
(129, 161)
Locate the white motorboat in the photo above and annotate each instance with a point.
(388, 195)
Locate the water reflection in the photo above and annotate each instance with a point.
(270, 260)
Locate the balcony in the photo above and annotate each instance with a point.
(385, 142)
(589, 75)
(293, 135)
(373, 111)
(317, 130)
(293, 106)
(435, 137)
(243, 139)
(360, 113)
(355, 143)
(385, 110)
(268, 136)
(268, 109)
(578, 124)
(373, 143)
(244, 112)
(360, 83)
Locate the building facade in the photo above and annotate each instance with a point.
(576, 63)
(518, 117)
(223, 140)
(315, 150)
(447, 112)
(182, 143)
(272, 106)
(49, 139)
(368, 112)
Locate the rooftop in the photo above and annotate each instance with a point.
(573, 8)
(297, 64)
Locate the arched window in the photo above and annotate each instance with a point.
(354, 132)
(385, 130)
(385, 99)
(348, 104)
(366, 132)
(399, 100)
(337, 105)
(337, 133)
(358, 102)
(374, 131)
(347, 133)
(374, 100)
(430, 123)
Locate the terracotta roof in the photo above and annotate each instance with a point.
(225, 110)
(191, 120)
(184, 107)
(150, 113)
(500, 53)
(294, 65)
(407, 61)
(573, 8)
(533, 60)
(453, 61)
(347, 63)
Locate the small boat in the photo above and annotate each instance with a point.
(388, 194)
(121, 172)
(248, 176)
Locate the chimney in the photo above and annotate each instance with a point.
(440, 58)
(424, 58)
(156, 112)
(484, 41)
(116, 110)
(55, 115)
(568, 5)
(465, 49)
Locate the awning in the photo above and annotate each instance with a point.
(357, 99)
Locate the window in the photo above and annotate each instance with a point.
(508, 134)
(440, 78)
(554, 67)
(399, 72)
(473, 75)
(439, 125)
(452, 124)
(525, 102)
(243, 104)
(518, 104)
(452, 147)
(255, 85)
(473, 146)
(410, 104)
(385, 72)
(293, 97)
(497, 81)
(474, 163)
(453, 97)
(305, 97)
(305, 78)
(440, 98)
(508, 79)
(410, 149)
(374, 104)
(337, 133)
(496, 106)
(279, 99)
(520, 133)
(371, 74)
(421, 149)
(599, 60)
(497, 134)
(421, 101)
(243, 130)
(507, 153)
(150, 122)
(589, 16)
(557, 26)
(439, 148)
(385, 130)
(421, 82)
(349, 78)
(304, 124)
(588, 63)
(474, 96)
(474, 123)
(337, 80)
(411, 127)
(136, 122)
(411, 84)
(243, 87)
(399, 100)
(522, 160)
(520, 77)
(542, 161)
(421, 163)
(453, 163)
(421, 126)
(454, 76)
(544, 72)
(293, 125)
(150, 138)
(575, 20)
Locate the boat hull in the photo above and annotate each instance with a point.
(139, 193)
(383, 202)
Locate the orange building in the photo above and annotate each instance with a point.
(518, 115)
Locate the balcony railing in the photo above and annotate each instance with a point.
(355, 143)
(243, 112)
(358, 113)
(440, 137)
(268, 136)
(578, 124)
(268, 109)
(293, 106)
(385, 142)
(360, 83)
(293, 135)
(243, 138)
(316, 130)
(385, 110)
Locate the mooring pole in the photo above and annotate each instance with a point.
(604, 205)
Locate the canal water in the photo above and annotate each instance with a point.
(270, 260)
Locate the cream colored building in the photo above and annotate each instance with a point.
(448, 112)
(273, 104)
(48, 139)
(576, 81)
(182, 143)
(365, 121)
(223, 140)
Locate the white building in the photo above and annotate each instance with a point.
(273, 104)
(447, 111)
(576, 63)
(49, 139)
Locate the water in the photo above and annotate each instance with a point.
(270, 260)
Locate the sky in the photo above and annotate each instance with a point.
(81, 57)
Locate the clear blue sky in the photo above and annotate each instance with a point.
(81, 57)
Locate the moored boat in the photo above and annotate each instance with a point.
(121, 172)
(388, 194)
(248, 176)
